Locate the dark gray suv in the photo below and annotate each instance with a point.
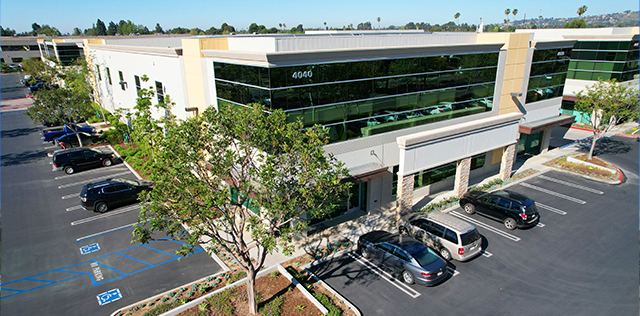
(73, 159)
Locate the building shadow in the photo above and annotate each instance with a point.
(22, 158)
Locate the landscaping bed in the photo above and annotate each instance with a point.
(584, 170)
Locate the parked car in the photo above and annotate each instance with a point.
(50, 134)
(104, 195)
(415, 262)
(70, 140)
(511, 208)
(431, 110)
(453, 238)
(73, 159)
(36, 86)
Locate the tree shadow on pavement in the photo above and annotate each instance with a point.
(19, 132)
(603, 146)
(22, 158)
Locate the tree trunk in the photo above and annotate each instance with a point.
(593, 145)
(251, 291)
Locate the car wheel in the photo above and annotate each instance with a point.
(364, 252)
(101, 207)
(107, 162)
(469, 208)
(510, 223)
(407, 277)
(445, 254)
(69, 170)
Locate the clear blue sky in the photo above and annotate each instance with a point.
(67, 14)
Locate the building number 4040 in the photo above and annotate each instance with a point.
(302, 74)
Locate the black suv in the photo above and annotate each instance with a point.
(511, 208)
(73, 159)
(100, 196)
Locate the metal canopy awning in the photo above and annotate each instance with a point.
(366, 173)
(541, 125)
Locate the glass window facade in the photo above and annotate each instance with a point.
(548, 73)
(364, 98)
(593, 60)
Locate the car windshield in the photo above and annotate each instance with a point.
(425, 257)
(470, 237)
(98, 151)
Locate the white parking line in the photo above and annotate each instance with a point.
(70, 196)
(73, 208)
(571, 184)
(540, 225)
(566, 197)
(105, 232)
(552, 209)
(91, 180)
(485, 226)
(97, 170)
(453, 272)
(407, 290)
(105, 215)
(486, 253)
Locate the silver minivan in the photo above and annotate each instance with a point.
(451, 237)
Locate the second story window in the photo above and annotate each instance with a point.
(138, 87)
(108, 75)
(122, 83)
(98, 72)
(160, 92)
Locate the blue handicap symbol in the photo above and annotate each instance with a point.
(89, 248)
(109, 296)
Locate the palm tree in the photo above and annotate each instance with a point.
(280, 24)
(582, 10)
(507, 12)
(457, 16)
(515, 11)
(378, 22)
(325, 25)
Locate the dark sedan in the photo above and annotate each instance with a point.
(415, 262)
(511, 208)
(71, 140)
(104, 195)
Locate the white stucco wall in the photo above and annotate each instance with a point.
(165, 69)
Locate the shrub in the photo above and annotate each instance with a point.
(328, 304)
(273, 308)
(113, 136)
(220, 303)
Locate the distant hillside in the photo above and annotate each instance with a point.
(626, 18)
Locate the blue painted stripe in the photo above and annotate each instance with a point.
(96, 283)
(110, 268)
(134, 259)
(160, 251)
(38, 280)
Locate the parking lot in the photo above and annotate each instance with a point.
(578, 260)
(69, 260)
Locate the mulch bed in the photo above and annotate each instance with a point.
(562, 164)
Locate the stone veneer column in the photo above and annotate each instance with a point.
(404, 196)
(461, 183)
(508, 154)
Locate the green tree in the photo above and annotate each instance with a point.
(7, 32)
(582, 10)
(514, 12)
(607, 103)
(77, 31)
(378, 19)
(253, 28)
(112, 29)
(101, 29)
(35, 27)
(576, 24)
(507, 12)
(159, 29)
(457, 16)
(215, 167)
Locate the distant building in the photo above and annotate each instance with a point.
(410, 114)
(17, 49)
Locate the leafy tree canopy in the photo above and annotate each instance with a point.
(607, 103)
(215, 166)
